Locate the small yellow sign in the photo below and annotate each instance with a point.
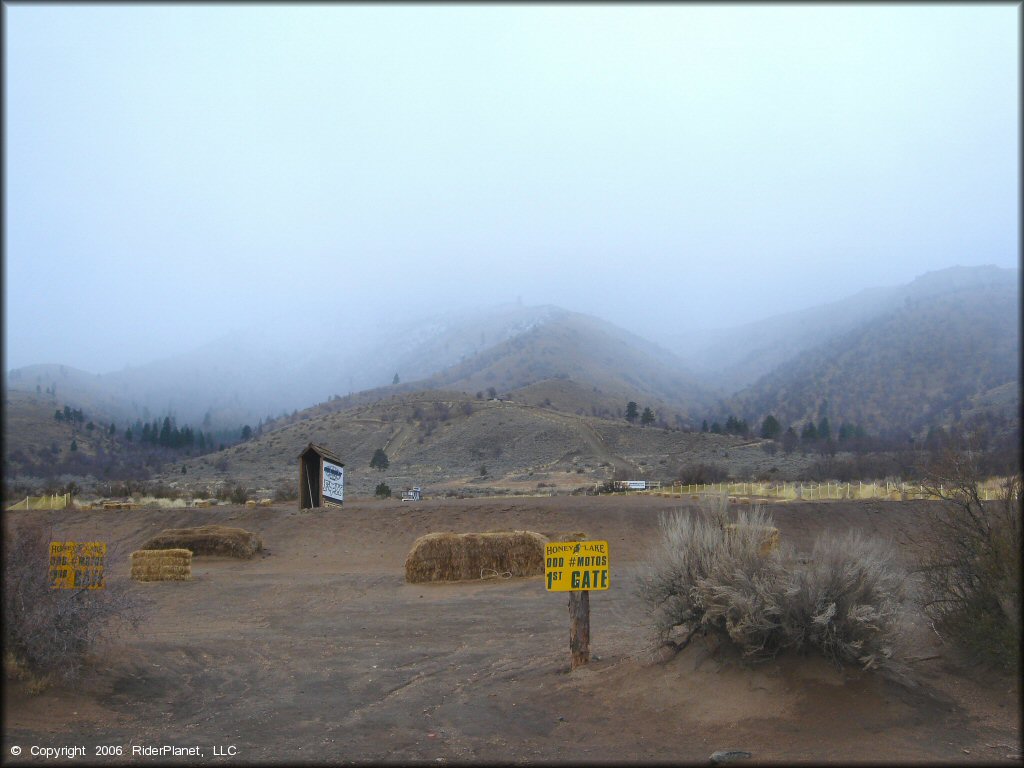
(77, 565)
(571, 566)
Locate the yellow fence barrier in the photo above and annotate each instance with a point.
(59, 501)
(988, 490)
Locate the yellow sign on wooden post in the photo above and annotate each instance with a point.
(576, 565)
(77, 565)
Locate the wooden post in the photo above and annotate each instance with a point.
(579, 627)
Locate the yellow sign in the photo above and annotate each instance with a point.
(576, 565)
(77, 565)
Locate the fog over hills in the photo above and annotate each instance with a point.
(730, 359)
(891, 357)
(922, 363)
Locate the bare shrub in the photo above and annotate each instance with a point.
(161, 491)
(286, 492)
(49, 633)
(701, 474)
(710, 576)
(971, 560)
(239, 494)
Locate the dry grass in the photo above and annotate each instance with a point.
(162, 565)
(467, 556)
(208, 540)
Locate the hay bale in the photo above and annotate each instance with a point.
(208, 540)
(769, 536)
(265, 502)
(251, 504)
(470, 556)
(161, 565)
(201, 503)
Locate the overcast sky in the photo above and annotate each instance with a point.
(177, 172)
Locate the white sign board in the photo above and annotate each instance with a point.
(334, 482)
(636, 485)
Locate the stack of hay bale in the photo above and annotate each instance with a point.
(465, 556)
(209, 540)
(162, 565)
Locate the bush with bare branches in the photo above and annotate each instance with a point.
(48, 633)
(843, 600)
(971, 560)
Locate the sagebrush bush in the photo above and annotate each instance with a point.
(48, 633)
(843, 600)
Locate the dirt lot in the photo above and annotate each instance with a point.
(318, 651)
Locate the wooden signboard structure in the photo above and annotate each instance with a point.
(577, 567)
(321, 478)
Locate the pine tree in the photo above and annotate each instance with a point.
(770, 428)
(631, 411)
(824, 430)
(647, 417)
(379, 460)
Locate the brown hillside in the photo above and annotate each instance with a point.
(438, 439)
(917, 366)
(32, 436)
(606, 361)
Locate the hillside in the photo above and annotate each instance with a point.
(444, 439)
(921, 364)
(610, 364)
(245, 376)
(34, 439)
(735, 358)
(63, 384)
(941, 350)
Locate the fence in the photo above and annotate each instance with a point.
(58, 501)
(896, 491)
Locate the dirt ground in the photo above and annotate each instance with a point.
(318, 651)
